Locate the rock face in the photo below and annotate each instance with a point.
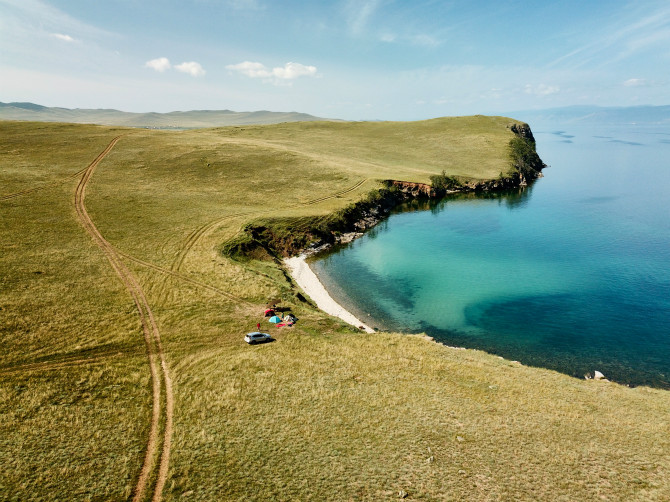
(413, 190)
(522, 130)
(526, 162)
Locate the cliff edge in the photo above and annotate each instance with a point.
(283, 237)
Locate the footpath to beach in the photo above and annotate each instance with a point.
(311, 285)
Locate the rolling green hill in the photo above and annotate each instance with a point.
(123, 374)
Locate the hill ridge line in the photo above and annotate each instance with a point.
(190, 119)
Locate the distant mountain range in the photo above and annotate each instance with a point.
(641, 115)
(171, 120)
(650, 115)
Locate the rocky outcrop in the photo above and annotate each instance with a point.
(525, 160)
(413, 190)
(597, 375)
(287, 237)
(505, 183)
(522, 130)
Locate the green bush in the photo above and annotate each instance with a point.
(442, 182)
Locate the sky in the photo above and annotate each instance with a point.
(346, 59)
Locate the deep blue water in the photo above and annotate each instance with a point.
(572, 273)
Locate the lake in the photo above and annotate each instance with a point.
(571, 273)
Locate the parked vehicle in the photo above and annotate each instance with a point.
(257, 337)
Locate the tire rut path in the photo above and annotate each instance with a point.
(42, 187)
(156, 462)
(185, 278)
(200, 232)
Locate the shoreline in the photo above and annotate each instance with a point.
(305, 277)
(309, 282)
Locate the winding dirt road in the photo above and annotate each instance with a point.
(156, 460)
(162, 410)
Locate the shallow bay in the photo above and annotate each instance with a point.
(571, 273)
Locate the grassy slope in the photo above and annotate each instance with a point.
(74, 396)
(473, 147)
(323, 413)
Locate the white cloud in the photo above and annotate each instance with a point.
(192, 68)
(635, 82)
(294, 70)
(289, 71)
(541, 89)
(162, 64)
(158, 64)
(65, 38)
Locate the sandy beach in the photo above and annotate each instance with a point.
(311, 285)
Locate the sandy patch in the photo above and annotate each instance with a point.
(312, 286)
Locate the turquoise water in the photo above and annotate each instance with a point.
(572, 273)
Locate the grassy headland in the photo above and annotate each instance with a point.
(323, 413)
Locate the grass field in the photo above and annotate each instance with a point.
(123, 374)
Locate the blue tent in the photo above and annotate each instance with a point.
(275, 319)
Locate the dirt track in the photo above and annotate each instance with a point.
(200, 232)
(160, 376)
(156, 463)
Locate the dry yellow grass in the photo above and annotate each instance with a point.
(323, 413)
